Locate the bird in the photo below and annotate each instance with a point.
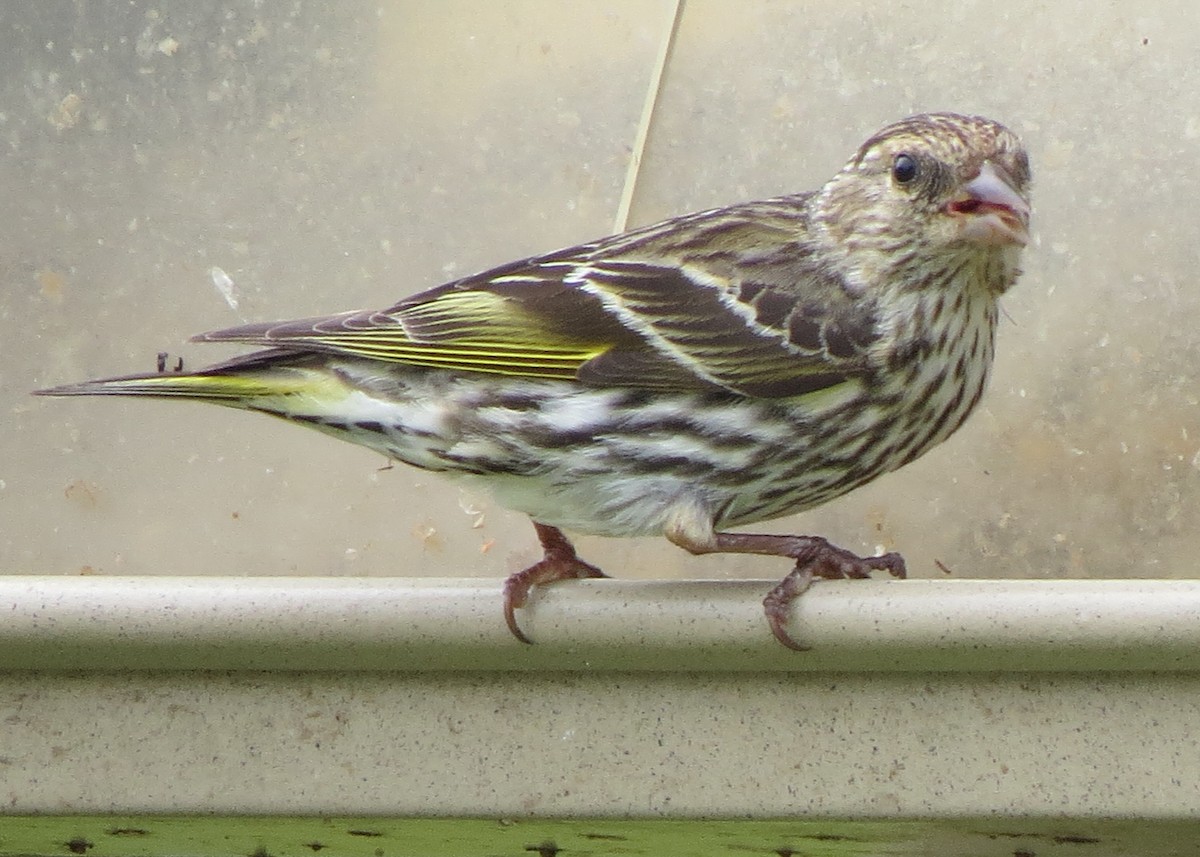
(708, 372)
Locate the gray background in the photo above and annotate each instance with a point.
(344, 155)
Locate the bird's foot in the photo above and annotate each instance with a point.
(828, 562)
(558, 563)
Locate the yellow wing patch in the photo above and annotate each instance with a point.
(471, 331)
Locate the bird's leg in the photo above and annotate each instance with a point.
(815, 557)
(558, 563)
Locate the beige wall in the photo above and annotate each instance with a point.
(346, 158)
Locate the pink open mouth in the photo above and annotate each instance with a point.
(980, 207)
(995, 213)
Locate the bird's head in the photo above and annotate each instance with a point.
(932, 188)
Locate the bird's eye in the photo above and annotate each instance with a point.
(904, 168)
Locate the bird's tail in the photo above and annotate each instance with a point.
(224, 388)
(237, 383)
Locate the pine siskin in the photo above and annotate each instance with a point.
(710, 371)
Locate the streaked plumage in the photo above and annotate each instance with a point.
(710, 371)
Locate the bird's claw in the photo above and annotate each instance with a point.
(828, 562)
(516, 594)
(558, 563)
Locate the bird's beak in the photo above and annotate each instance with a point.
(992, 211)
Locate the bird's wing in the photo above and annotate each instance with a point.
(606, 317)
